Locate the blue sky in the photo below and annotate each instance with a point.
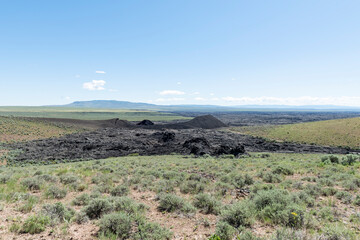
(180, 52)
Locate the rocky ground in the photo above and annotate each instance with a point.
(114, 142)
(258, 118)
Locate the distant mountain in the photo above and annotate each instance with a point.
(305, 107)
(110, 104)
(113, 104)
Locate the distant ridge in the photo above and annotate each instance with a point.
(110, 104)
(204, 122)
(114, 104)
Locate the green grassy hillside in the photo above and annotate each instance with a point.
(14, 129)
(340, 132)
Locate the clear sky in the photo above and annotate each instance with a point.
(180, 52)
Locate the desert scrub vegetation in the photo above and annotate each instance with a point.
(257, 196)
(339, 132)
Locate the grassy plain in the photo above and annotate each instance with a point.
(18, 129)
(260, 196)
(339, 132)
(88, 114)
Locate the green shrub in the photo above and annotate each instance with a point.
(120, 190)
(278, 206)
(35, 224)
(29, 204)
(57, 212)
(290, 234)
(283, 170)
(306, 198)
(313, 190)
(32, 183)
(81, 217)
(172, 203)
(271, 178)
(128, 205)
(247, 235)
(4, 178)
(237, 215)
(349, 160)
(164, 186)
(328, 191)
(81, 200)
(55, 192)
(345, 197)
(214, 237)
(237, 181)
(355, 218)
(98, 207)
(151, 231)
(326, 182)
(69, 179)
(48, 178)
(327, 214)
(116, 223)
(222, 188)
(103, 188)
(351, 185)
(357, 200)
(207, 204)
(224, 231)
(80, 187)
(102, 178)
(337, 231)
(248, 180)
(192, 186)
(330, 158)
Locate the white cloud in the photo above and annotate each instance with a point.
(178, 83)
(212, 94)
(294, 101)
(195, 93)
(199, 99)
(94, 85)
(101, 72)
(113, 90)
(171, 92)
(169, 99)
(215, 99)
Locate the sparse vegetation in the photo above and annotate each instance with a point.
(289, 195)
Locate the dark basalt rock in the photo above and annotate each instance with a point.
(145, 123)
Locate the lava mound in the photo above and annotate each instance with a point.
(145, 122)
(118, 123)
(205, 122)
